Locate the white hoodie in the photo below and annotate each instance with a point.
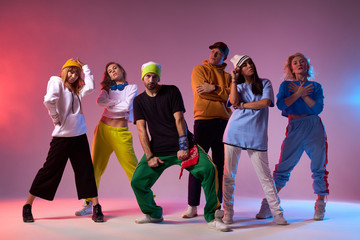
(65, 106)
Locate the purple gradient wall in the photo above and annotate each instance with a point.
(37, 37)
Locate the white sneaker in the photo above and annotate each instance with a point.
(190, 212)
(264, 210)
(228, 219)
(148, 219)
(319, 210)
(217, 224)
(279, 219)
(86, 210)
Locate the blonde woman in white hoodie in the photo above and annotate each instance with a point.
(63, 101)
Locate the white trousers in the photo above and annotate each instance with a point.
(261, 165)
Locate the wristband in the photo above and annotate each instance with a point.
(183, 143)
(149, 158)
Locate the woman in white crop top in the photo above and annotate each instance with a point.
(112, 134)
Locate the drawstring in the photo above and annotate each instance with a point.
(72, 107)
(72, 102)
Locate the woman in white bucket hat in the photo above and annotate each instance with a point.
(251, 97)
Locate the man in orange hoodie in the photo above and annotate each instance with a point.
(211, 87)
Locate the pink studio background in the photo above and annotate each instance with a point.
(37, 37)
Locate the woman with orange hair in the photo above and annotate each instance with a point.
(63, 101)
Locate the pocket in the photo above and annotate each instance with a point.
(74, 124)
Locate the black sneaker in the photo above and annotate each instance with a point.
(26, 214)
(97, 216)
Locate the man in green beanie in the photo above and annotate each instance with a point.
(161, 109)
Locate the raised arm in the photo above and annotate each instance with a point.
(234, 94)
(89, 81)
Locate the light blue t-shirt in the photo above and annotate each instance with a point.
(247, 128)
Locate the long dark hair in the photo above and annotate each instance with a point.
(106, 83)
(256, 87)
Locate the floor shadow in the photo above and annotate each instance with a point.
(252, 223)
(62, 217)
(121, 212)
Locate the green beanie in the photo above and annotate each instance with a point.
(150, 67)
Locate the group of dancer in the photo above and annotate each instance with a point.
(158, 113)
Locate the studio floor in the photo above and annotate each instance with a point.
(56, 220)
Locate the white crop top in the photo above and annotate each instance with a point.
(118, 104)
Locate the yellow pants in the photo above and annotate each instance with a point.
(112, 139)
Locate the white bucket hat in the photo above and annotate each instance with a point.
(238, 60)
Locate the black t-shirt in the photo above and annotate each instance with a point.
(158, 112)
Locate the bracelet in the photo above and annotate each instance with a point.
(234, 82)
(149, 158)
(242, 105)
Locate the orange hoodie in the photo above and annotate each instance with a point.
(211, 105)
